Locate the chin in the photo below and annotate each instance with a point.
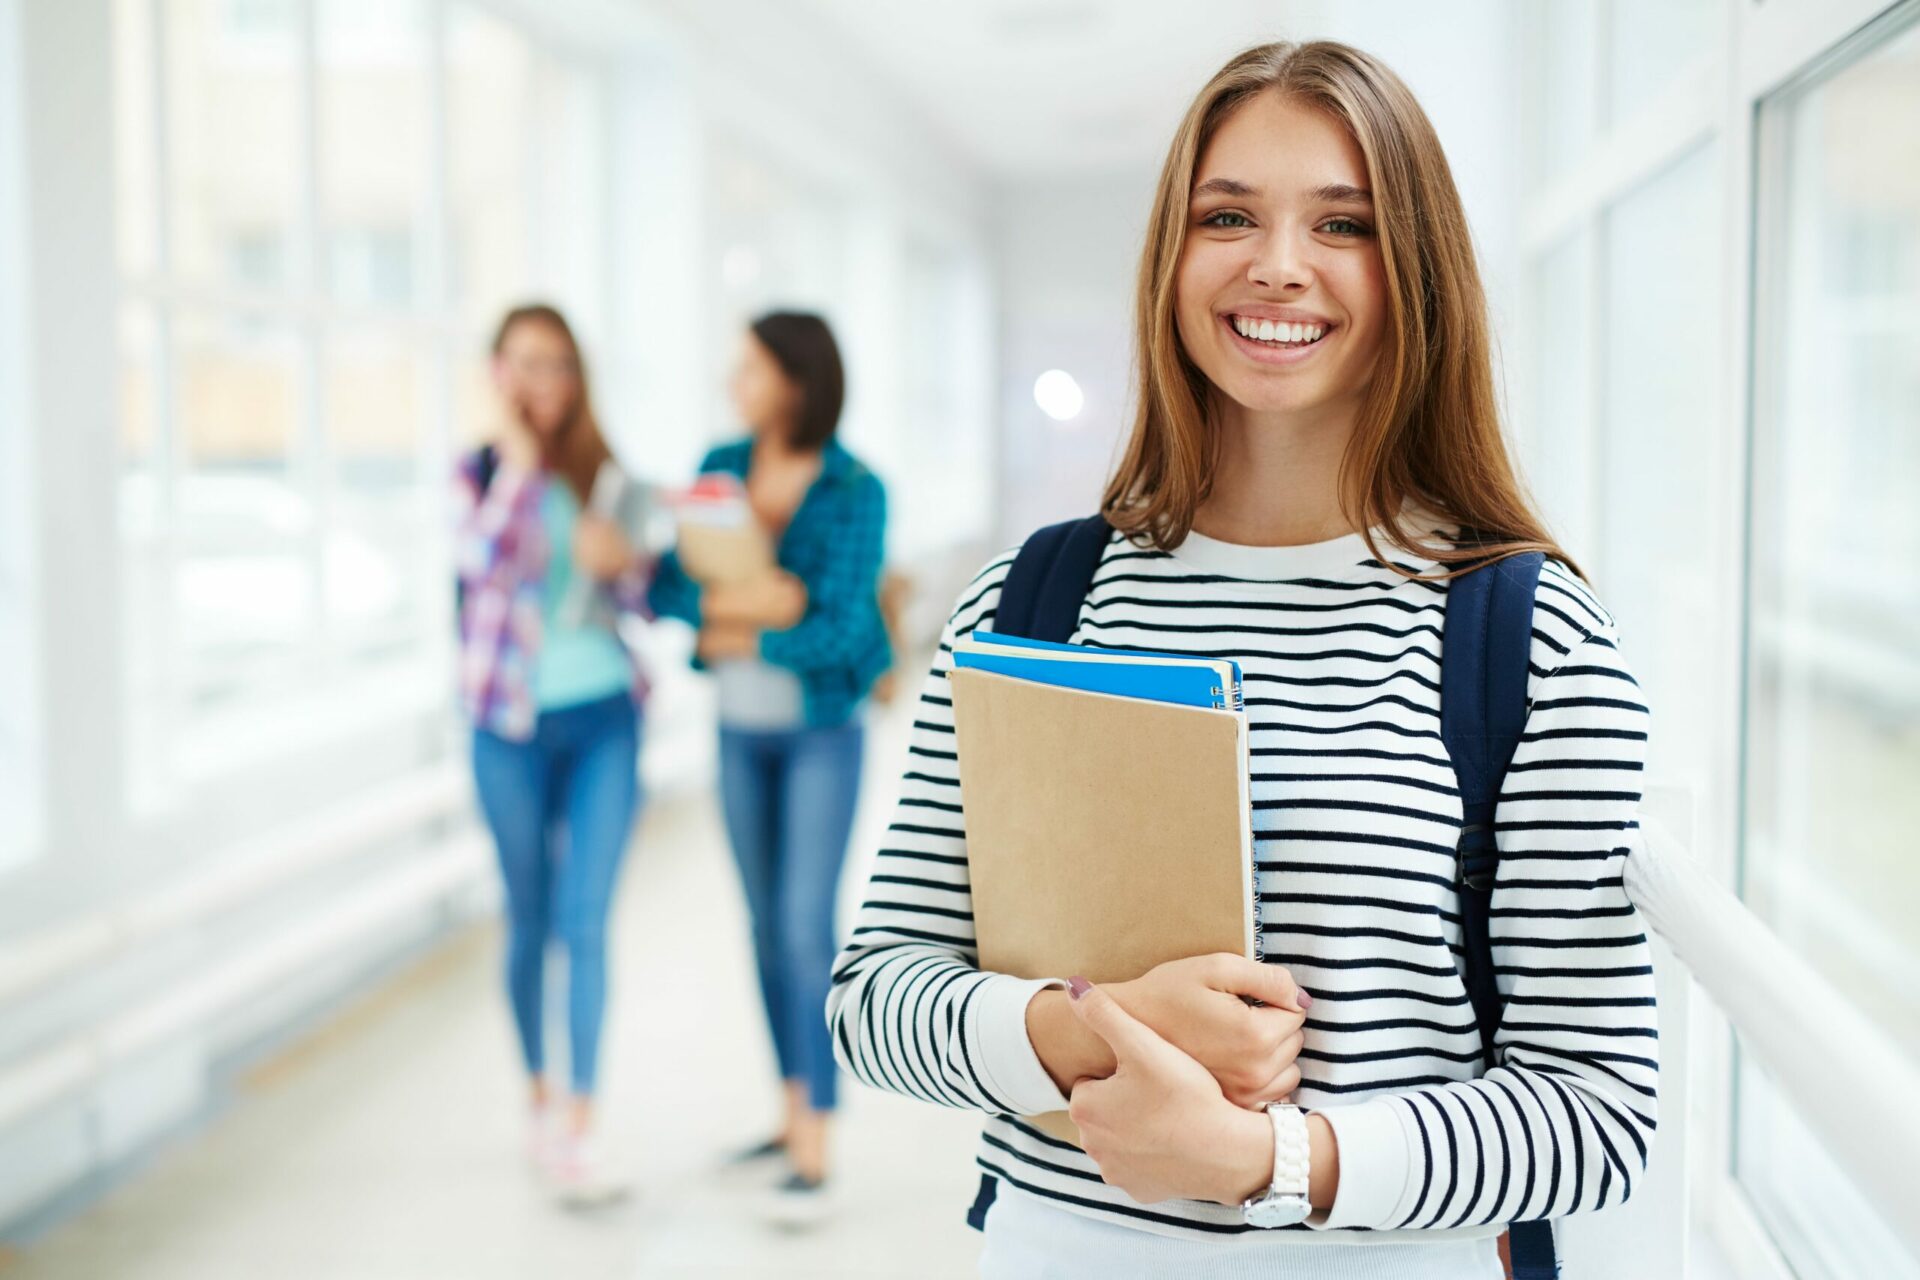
(1271, 395)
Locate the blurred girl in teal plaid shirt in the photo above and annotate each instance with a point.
(794, 656)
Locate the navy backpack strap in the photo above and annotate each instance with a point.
(1041, 596)
(486, 461)
(1530, 1251)
(1040, 599)
(984, 1198)
(1483, 711)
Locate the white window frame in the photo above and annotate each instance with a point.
(1780, 44)
(419, 688)
(1761, 47)
(22, 828)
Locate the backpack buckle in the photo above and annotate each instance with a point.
(1477, 858)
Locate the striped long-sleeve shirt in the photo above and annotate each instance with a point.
(1356, 816)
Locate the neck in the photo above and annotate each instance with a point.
(773, 442)
(1276, 481)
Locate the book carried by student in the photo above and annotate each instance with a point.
(1130, 673)
(1107, 811)
(718, 539)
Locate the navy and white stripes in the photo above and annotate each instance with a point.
(1356, 816)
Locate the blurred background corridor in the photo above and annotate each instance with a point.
(252, 253)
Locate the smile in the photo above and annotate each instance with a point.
(1276, 341)
(1279, 334)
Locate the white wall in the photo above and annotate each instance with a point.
(1067, 256)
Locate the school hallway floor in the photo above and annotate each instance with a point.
(388, 1142)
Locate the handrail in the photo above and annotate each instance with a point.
(1850, 1083)
(45, 1076)
(251, 867)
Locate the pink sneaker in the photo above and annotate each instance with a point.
(543, 1137)
(580, 1174)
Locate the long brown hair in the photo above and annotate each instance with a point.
(577, 450)
(1429, 429)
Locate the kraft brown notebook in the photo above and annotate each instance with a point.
(1105, 835)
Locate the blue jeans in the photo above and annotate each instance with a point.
(561, 806)
(789, 797)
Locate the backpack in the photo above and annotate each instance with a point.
(1483, 711)
(486, 461)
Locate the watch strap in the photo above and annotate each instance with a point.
(1291, 1150)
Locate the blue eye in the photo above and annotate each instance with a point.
(1219, 219)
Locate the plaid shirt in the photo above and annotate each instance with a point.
(834, 544)
(500, 557)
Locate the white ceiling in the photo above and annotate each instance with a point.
(1044, 88)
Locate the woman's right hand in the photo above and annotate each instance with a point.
(1196, 1005)
(513, 437)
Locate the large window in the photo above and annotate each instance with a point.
(323, 204)
(1833, 733)
(1622, 298)
(1657, 392)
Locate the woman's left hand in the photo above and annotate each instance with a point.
(600, 548)
(1159, 1127)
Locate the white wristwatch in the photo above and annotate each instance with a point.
(1285, 1201)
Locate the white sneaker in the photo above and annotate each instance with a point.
(799, 1202)
(580, 1174)
(544, 1135)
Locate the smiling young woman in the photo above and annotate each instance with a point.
(1316, 460)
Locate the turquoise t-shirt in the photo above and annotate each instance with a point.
(578, 661)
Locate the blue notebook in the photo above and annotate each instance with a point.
(1179, 679)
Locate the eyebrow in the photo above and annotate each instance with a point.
(1330, 193)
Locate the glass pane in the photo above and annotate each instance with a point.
(244, 592)
(474, 409)
(373, 148)
(145, 581)
(490, 139)
(1655, 569)
(1565, 77)
(942, 458)
(232, 137)
(1814, 1212)
(136, 195)
(372, 386)
(1650, 43)
(1558, 439)
(140, 444)
(1833, 739)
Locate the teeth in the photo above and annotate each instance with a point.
(1269, 331)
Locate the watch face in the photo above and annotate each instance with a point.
(1278, 1211)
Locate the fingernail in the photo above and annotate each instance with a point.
(1077, 987)
(1306, 1001)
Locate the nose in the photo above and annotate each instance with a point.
(1278, 262)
